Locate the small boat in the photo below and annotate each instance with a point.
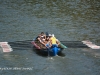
(53, 51)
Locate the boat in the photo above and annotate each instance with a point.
(53, 51)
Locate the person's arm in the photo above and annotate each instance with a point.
(58, 42)
(44, 36)
(41, 41)
(50, 44)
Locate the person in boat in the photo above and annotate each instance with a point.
(41, 38)
(54, 41)
(47, 42)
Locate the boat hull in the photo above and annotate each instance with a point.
(53, 51)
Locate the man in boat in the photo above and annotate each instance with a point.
(41, 38)
(54, 41)
(47, 42)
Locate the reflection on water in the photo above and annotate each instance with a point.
(69, 20)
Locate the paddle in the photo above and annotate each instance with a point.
(48, 48)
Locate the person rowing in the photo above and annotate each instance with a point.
(47, 42)
(41, 38)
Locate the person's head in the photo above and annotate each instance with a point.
(47, 34)
(42, 33)
(53, 35)
(47, 38)
(50, 35)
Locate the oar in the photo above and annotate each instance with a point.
(48, 48)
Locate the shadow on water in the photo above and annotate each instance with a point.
(74, 44)
(26, 45)
(21, 45)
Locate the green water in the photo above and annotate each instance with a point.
(69, 20)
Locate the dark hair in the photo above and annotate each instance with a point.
(47, 36)
(42, 32)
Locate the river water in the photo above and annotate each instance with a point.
(69, 20)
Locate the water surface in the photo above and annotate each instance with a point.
(69, 20)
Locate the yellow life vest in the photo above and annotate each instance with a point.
(53, 40)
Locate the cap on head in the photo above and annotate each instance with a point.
(50, 35)
(53, 35)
